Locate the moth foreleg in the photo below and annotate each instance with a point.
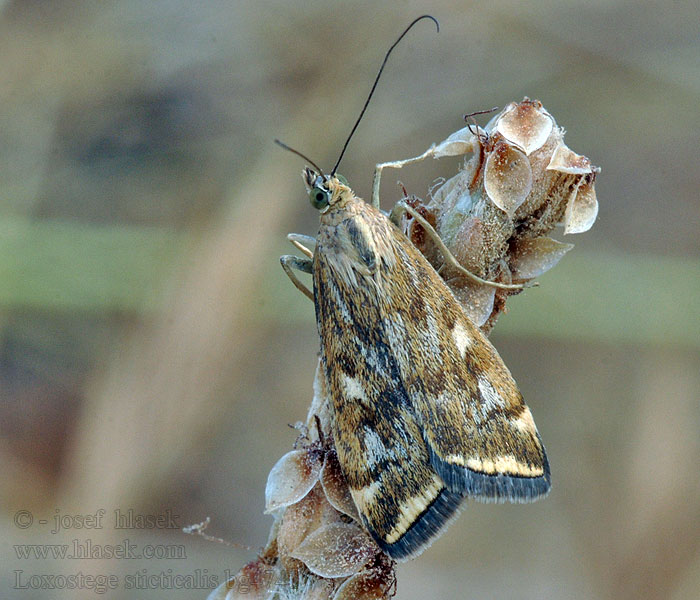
(299, 240)
(401, 208)
(397, 164)
(290, 262)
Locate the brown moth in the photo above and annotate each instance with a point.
(424, 413)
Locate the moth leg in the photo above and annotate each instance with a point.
(299, 240)
(401, 207)
(290, 262)
(395, 165)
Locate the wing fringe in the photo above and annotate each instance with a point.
(497, 488)
(426, 528)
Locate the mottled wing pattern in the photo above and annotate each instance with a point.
(425, 412)
(481, 435)
(379, 442)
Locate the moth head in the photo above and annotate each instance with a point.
(325, 191)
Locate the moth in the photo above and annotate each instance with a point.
(424, 411)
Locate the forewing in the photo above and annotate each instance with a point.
(480, 434)
(387, 463)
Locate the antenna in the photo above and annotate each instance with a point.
(374, 85)
(306, 158)
(480, 112)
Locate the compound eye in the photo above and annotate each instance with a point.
(320, 197)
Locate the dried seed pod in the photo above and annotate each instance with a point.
(318, 589)
(567, 161)
(303, 518)
(291, 478)
(336, 550)
(530, 258)
(335, 487)
(469, 244)
(367, 585)
(477, 300)
(521, 182)
(507, 177)
(255, 581)
(526, 124)
(459, 143)
(582, 209)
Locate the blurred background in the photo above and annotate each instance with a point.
(152, 352)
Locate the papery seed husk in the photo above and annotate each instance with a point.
(567, 161)
(582, 210)
(301, 519)
(476, 299)
(255, 581)
(291, 479)
(362, 586)
(459, 143)
(531, 258)
(320, 589)
(525, 124)
(335, 486)
(507, 177)
(336, 550)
